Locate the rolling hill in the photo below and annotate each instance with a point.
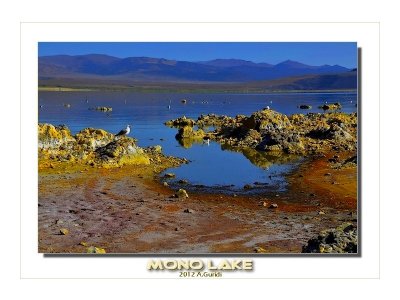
(147, 69)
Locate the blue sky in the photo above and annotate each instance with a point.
(312, 53)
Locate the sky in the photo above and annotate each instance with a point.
(311, 53)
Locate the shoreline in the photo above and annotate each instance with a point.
(183, 91)
(136, 214)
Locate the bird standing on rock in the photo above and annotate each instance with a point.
(125, 131)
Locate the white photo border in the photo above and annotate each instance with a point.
(367, 36)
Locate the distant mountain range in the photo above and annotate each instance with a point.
(147, 69)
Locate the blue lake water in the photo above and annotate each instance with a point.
(211, 165)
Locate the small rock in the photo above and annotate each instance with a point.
(103, 108)
(235, 195)
(64, 231)
(273, 205)
(265, 204)
(169, 175)
(182, 193)
(83, 244)
(96, 250)
(321, 213)
(165, 184)
(189, 211)
(247, 187)
(183, 181)
(260, 250)
(327, 174)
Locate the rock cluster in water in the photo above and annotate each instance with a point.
(96, 147)
(271, 131)
(332, 106)
(342, 239)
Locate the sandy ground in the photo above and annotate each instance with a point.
(125, 210)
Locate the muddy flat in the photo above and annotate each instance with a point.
(125, 210)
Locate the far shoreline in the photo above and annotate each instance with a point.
(184, 91)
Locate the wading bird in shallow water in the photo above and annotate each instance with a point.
(206, 140)
(124, 132)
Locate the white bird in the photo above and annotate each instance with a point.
(169, 106)
(124, 131)
(267, 107)
(206, 140)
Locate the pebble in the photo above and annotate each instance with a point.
(189, 211)
(96, 250)
(273, 205)
(169, 175)
(260, 250)
(165, 184)
(64, 231)
(182, 194)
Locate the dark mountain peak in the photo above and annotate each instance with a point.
(291, 64)
(148, 60)
(233, 62)
(98, 58)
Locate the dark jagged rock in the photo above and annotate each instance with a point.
(122, 152)
(102, 108)
(304, 106)
(342, 239)
(96, 147)
(181, 122)
(92, 138)
(334, 106)
(187, 132)
(270, 131)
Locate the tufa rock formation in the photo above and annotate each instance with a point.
(342, 239)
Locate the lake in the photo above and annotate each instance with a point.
(212, 166)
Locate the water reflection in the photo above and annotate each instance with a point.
(189, 142)
(263, 160)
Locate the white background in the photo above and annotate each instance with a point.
(34, 265)
(304, 11)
